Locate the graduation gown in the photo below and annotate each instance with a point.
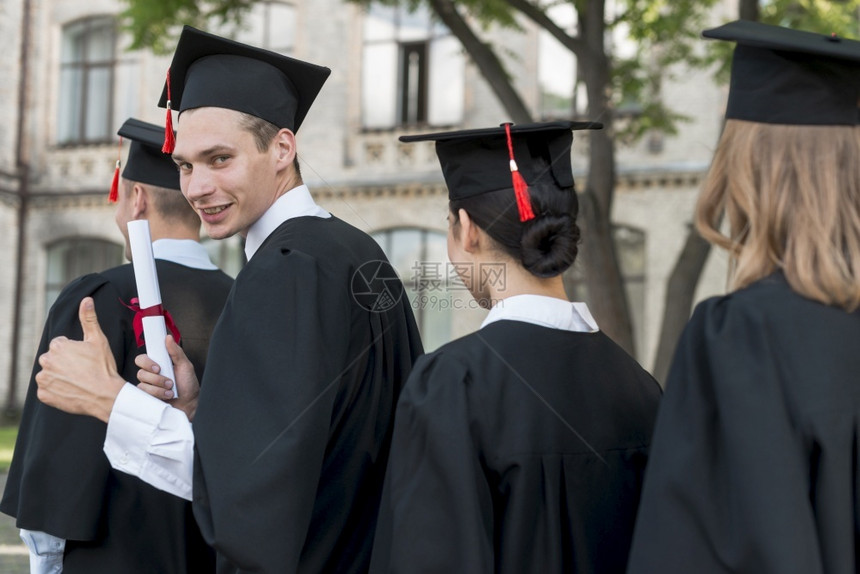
(754, 464)
(293, 425)
(60, 481)
(518, 448)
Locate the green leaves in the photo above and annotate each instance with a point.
(155, 24)
(647, 41)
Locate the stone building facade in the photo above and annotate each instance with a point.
(69, 82)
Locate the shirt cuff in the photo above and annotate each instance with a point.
(151, 440)
(46, 551)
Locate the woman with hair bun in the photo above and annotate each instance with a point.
(755, 464)
(520, 447)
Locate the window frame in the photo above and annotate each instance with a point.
(90, 27)
(62, 247)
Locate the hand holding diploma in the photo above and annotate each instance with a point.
(149, 297)
(161, 387)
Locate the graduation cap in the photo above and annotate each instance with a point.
(491, 159)
(146, 163)
(785, 76)
(211, 71)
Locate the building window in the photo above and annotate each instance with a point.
(412, 70)
(270, 24)
(630, 249)
(71, 258)
(562, 92)
(98, 87)
(420, 258)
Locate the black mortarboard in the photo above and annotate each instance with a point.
(482, 160)
(785, 76)
(146, 163)
(208, 70)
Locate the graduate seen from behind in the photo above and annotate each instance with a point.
(754, 466)
(78, 514)
(520, 447)
(293, 425)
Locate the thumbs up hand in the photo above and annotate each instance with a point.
(80, 377)
(159, 387)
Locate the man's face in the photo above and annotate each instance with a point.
(223, 175)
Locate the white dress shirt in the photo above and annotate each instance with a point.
(46, 550)
(150, 439)
(544, 311)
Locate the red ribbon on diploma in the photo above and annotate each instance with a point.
(153, 311)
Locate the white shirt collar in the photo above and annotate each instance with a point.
(544, 311)
(297, 202)
(185, 252)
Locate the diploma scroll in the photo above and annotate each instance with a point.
(149, 295)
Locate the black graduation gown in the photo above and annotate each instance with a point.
(517, 449)
(754, 464)
(60, 480)
(293, 426)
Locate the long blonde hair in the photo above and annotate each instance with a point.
(792, 198)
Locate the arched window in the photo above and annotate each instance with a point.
(71, 258)
(420, 258)
(98, 82)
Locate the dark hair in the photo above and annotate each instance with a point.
(264, 132)
(546, 245)
(170, 203)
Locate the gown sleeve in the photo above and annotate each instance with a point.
(436, 513)
(727, 487)
(58, 474)
(276, 365)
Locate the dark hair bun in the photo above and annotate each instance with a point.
(549, 244)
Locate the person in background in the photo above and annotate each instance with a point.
(75, 512)
(520, 447)
(293, 425)
(754, 465)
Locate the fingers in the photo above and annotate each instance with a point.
(157, 391)
(150, 381)
(177, 355)
(89, 320)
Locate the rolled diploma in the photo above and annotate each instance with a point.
(148, 294)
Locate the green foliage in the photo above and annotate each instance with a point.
(666, 41)
(8, 434)
(155, 24)
(840, 17)
(665, 35)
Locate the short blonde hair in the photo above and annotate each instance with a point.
(792, 198)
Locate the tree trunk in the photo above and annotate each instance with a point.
(602, 271)
(607, 299)
(748, 9)
(485, 58)
(680, 290)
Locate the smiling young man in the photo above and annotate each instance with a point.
(293, 424)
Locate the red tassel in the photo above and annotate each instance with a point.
(114, 185)
(521, 188)
(169, 138)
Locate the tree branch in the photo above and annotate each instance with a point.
(539, 17)
(485, 58)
